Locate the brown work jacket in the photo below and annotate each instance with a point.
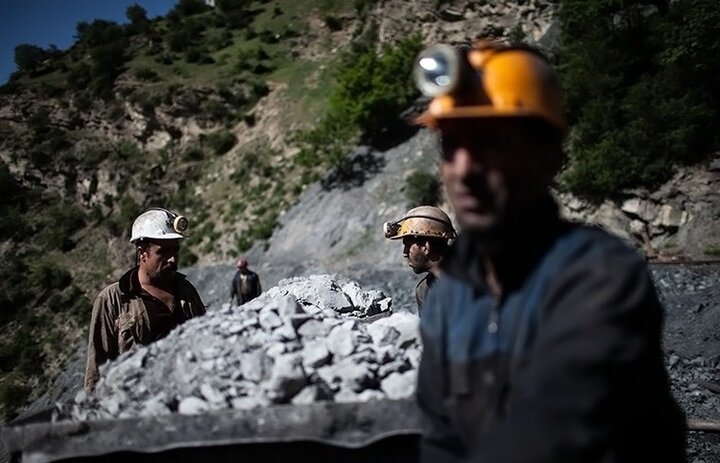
(124, 315)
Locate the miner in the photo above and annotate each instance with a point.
(149, 300)
(542, 340)
(426, 233)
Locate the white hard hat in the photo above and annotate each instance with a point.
(159, 224)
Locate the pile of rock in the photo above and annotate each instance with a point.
(305, 340)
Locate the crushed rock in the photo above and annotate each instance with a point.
(304, 340)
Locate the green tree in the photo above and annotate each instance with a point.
(28, 56)
(190, 7)
(641, 90)
(97, 33)
(227, 6)
(137, 17)
(373, 88)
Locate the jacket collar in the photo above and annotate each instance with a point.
(130, 285)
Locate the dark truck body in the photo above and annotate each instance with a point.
(378, 431)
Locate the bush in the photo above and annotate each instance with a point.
(333, 23)
(374, 88)
(221, 142)
(120, 222)
(27, 56)
(49, 276)
(13, 395)
(70, 301)
(366, 103)
(146, 74)
(422, 189)
(192, 154)
(58, 223)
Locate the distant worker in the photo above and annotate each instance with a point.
(245, 284)
(149, 300)
(426, 232)
(542, 339)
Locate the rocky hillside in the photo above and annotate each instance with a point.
(226, 116)
(199, 111)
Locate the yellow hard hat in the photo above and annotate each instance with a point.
(490, 81)
(427, 221)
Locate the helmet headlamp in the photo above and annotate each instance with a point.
(180, 224)
(491, 80)
(441, 70)
(391, 229)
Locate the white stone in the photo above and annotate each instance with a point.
(269, 320)
(399, 385)
(211, 394)
(342, 341)
(193, 406)
(287, 378)
(315, 354)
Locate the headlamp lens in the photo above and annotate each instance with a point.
(437, 71)
(391, 229)
(180, 224)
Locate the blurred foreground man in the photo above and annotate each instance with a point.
(245, 284)
(542, 339)
(149, 300)
(426, 232)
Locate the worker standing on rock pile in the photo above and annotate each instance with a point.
(426, 232)
(542, 340)
(149, 300)
(245, 284)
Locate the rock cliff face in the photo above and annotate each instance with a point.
(679, 220)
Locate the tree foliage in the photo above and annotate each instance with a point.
(137, 16)
(372, 89)
(190, 7)
(28, 56)
(641, 89)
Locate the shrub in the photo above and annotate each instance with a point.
(422, 188)
(27, 56)
(49, 276)
(221, 142)
(333, 23)
(193, 153)
(146, 74)
(374, 88)
(70, 301)
(58, 223)
(120, 222)
(13, 395)
(366, 103)
(190, 7)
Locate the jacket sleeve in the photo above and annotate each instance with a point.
(233, 287)
(103, 341)
(595, 369)
(439, 443)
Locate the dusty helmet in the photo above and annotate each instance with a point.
(160, 224)
(489, 80)
(427, 221)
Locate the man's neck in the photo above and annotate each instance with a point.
(504, 257)
(146, 281)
